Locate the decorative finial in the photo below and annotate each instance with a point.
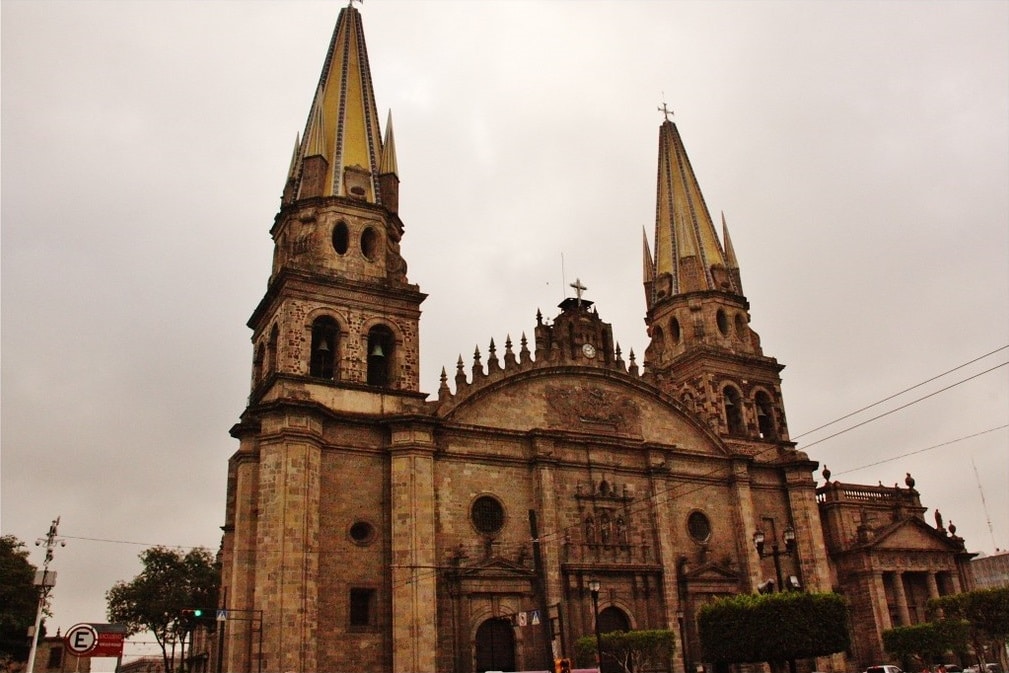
(909, 480)
(826, 474)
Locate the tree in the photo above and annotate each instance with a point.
(925, 642)
(632, 650)
(155, 599)
(19, 599)
(775, 628)
(987, 613)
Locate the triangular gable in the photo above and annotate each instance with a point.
(912, 533)
(495, 567)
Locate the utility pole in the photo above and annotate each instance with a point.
(45, 585)
(541, 591)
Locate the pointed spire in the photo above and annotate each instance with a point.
(343, 124)
(731, 263)
(388, 165)
(688, 254)
(292, 170)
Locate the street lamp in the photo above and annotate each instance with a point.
(594, 590)
(788, 535)
(789, 538)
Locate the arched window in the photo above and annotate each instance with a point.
(257, 365)
(325, 333)
(271, 350)
(765, 416)
(380, 355)
(733, 410)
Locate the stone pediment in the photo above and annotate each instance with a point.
(712, 578)
(914, 534)
(497, 567)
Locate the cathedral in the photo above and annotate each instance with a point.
(546, 490)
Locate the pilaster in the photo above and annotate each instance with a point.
(414, 553)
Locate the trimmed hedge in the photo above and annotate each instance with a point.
(775, 627)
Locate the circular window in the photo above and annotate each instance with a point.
(723, 322)
(362, 532)
(699, 527)
(341, 237)
(369, 242)
(487, 514)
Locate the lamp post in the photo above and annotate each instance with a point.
(788, 535)
(789, 538)
(594, 590)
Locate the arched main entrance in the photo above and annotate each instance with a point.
(612, 619)
(495, 646)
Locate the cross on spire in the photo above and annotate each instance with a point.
(665, 110)
(579, 288)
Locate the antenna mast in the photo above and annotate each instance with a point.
(984, 503)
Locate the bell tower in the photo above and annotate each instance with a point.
(335, 339)
(702, 349)
(339, 308)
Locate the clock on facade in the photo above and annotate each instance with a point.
(589, 350)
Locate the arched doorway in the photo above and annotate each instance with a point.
(612, 619)
(495, 646)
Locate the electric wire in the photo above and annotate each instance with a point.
(898, 394)
(904, 406)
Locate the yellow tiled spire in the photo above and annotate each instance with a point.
(342, 126)
(688, 255)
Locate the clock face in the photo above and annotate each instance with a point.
(589, 350)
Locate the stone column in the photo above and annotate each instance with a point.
(933, 586)
(901, 597)
(414, 553)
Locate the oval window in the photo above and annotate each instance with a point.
(699, 527)
(369, 243)
(674, 330)
(341, 237)
(487, 514)
(723, 322)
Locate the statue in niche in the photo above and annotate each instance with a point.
(590, 530)
(604, 528)
(604, 488)
(621, 529)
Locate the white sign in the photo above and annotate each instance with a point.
(222, 615)
(81, 639)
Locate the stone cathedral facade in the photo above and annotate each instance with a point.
(373, 527)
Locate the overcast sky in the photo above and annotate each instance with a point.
(859, 151)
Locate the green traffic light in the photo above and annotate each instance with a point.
(197, 612)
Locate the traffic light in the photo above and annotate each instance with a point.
(562, 665)
(193, 616)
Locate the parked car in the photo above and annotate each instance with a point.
(884, 668)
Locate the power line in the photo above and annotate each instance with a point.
(903, 406)
(890, 397)
(929, 448)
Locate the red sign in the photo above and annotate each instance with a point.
(95, 640)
